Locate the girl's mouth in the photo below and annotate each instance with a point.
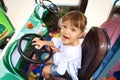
(65, 37)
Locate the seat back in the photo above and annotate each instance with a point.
(94, 48)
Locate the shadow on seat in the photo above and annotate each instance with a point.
(94, 48)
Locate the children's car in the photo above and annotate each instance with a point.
(6, 29)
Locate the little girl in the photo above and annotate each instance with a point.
(67, 49)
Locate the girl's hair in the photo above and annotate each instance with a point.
(76, 18)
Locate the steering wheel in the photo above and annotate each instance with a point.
(30, 53)
(50, 6)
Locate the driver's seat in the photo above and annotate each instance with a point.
(94, 48)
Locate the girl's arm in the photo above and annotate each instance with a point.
(51, 45)
(40, 43)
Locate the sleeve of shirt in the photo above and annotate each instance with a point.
(57, 42)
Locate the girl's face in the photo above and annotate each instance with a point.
(70, 35)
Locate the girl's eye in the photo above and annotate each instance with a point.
(73, 29)
(64, 26)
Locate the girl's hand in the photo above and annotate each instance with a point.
(55, 50)
(38, 43)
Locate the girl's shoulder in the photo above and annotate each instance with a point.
(57, 42)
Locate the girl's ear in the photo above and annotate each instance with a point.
(82, 35)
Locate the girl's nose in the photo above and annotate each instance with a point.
(67, 31)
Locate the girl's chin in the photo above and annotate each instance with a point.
(65, 43)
